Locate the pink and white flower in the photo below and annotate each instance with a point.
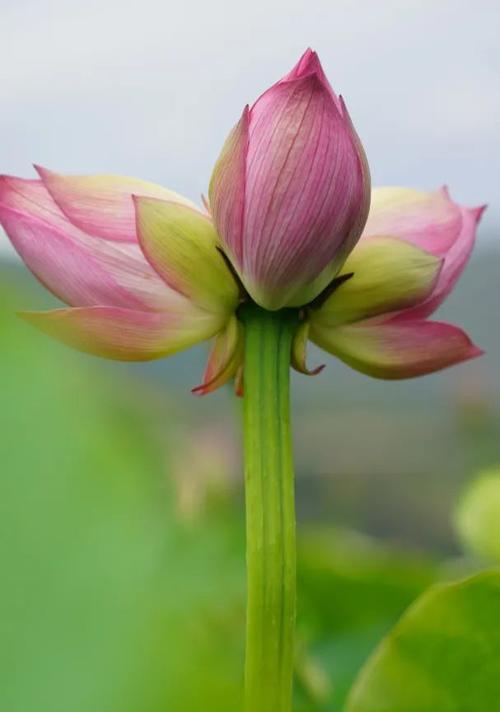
(145, 273)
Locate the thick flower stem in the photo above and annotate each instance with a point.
(270, 510)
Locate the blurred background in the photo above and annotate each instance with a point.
(121, 502)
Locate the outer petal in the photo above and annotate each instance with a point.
(79, 269)
(396, 350)
(181, 244)
(304, 187)
(225, 358)
(239, 386)
(454, 264)
(387, 275)
(126, 334)
(227, 189)
(299, 351)
(430, 221)
(101, 205)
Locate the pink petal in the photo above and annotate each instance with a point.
(101, 205)
(79, 269)
(126, 334)
(433, 222)
(396, 350)
(304, 188)
(454, 263)
(430, 221)
(225, 358)
(308, 65)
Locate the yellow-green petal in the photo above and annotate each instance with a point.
(181, 244)
(387, 275)
(299, 351)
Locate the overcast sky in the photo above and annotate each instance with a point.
(150, 88)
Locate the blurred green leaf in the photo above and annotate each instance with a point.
(442, 656)
(351, 591)
(478, 515)
(109, 602)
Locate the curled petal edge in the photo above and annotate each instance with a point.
(299, 351)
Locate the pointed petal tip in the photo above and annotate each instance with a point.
(309, 67)
(44, 174)
(478, 212)
(476, 351)
(311, 371)
(200, 390)
(444, 190)
(206, 204)
(308, 62)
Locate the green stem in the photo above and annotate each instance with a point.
(270, 510)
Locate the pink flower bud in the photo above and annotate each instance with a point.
(290, 192)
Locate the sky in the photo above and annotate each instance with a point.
(150, 88)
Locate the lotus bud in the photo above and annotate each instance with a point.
(290, 192)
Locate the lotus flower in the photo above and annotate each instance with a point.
(146, 273)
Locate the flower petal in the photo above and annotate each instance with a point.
(299, 351)
(225, 358)
(127, 334)
(387, 275)
(101, 205)
(239, 386)
(227, 188)
(454, 264)
(430, 221)
(396, 350)
(79, 269)
(304, 189)
(181, 244)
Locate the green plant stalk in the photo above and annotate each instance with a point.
(270, 510)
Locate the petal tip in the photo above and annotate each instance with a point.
(478, 212)
(444, 191)
(44, 173)
(476, 351)
(315, 371)
(307, 63)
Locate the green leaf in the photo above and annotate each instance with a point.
(109, 599)
(443, 655)
(477, 517)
